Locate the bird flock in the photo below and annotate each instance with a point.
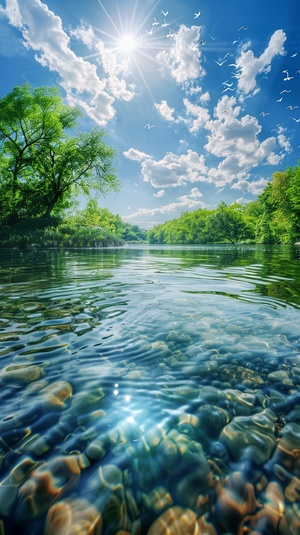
(237, 73)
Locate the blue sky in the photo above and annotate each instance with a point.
(200, 98)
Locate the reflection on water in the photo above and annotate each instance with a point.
(150, 390)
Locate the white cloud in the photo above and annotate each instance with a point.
(43, 32)
(184, 202)
(256, 187)
(160, 193)
(182, 60)
(195, 193)
(201, 115)
(165, 111)
(242, 201)
(84, 34)
(236, 140)
(174, 170)
(12, 12)
(100, 108)
(204, 98)
(283, 141)
(249, 66)
(134, 154)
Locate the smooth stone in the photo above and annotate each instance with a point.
(73, 517)
(235, 500)
(288, 447)
(168, 456)
(252, 438)
(57, 393)
(188, 424)
(193, 488)
(136, 375)
(9, 486)
(280, 377)
(82, 402)
(175, 521)
(47, 484)
(157, 500)
(178, 393)
(268, 518)
(96, 449)
(212, 420)
(207, 369)
(236, 374)
(179, 337)
(243, 404)
(20, 374)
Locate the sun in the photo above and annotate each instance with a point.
(127, 43)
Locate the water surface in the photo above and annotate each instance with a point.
(150, 384)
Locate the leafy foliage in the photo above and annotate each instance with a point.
(41, 164)
(273, 218)
(91, 227)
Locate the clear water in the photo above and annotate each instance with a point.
(146, 378)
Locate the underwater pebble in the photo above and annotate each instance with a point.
(175, 521)
(20, 374)
(73, 517)
(251, 437)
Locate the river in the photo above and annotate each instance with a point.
(150, 390)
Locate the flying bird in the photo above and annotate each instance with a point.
(233, 42)
(297, 120)
(197, 15)
(294, 55)
(213, 38)
(227, 84)
(242, 28)
(227, 89)
(291, 107)
(165, 13)
(193, 48)
(150, 32)
(220, 63)
(287, 76)
(263, 113)
(148, 126)
(165, 24)
(155, 23)
(285, 91)
(279, 100)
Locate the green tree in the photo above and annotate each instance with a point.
(281, 201)
(228, 223)
(41, 163)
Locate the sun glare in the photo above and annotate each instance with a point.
(127, 43)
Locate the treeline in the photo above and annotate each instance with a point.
(273, 218)
(91, 227)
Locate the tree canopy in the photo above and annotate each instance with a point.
(274, 217)
(42, 162)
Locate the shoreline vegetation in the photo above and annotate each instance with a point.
(274, 218)
(45, 163)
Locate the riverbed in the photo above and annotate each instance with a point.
(149, 390)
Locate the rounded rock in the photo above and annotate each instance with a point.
(175, 521)
(73, 517)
